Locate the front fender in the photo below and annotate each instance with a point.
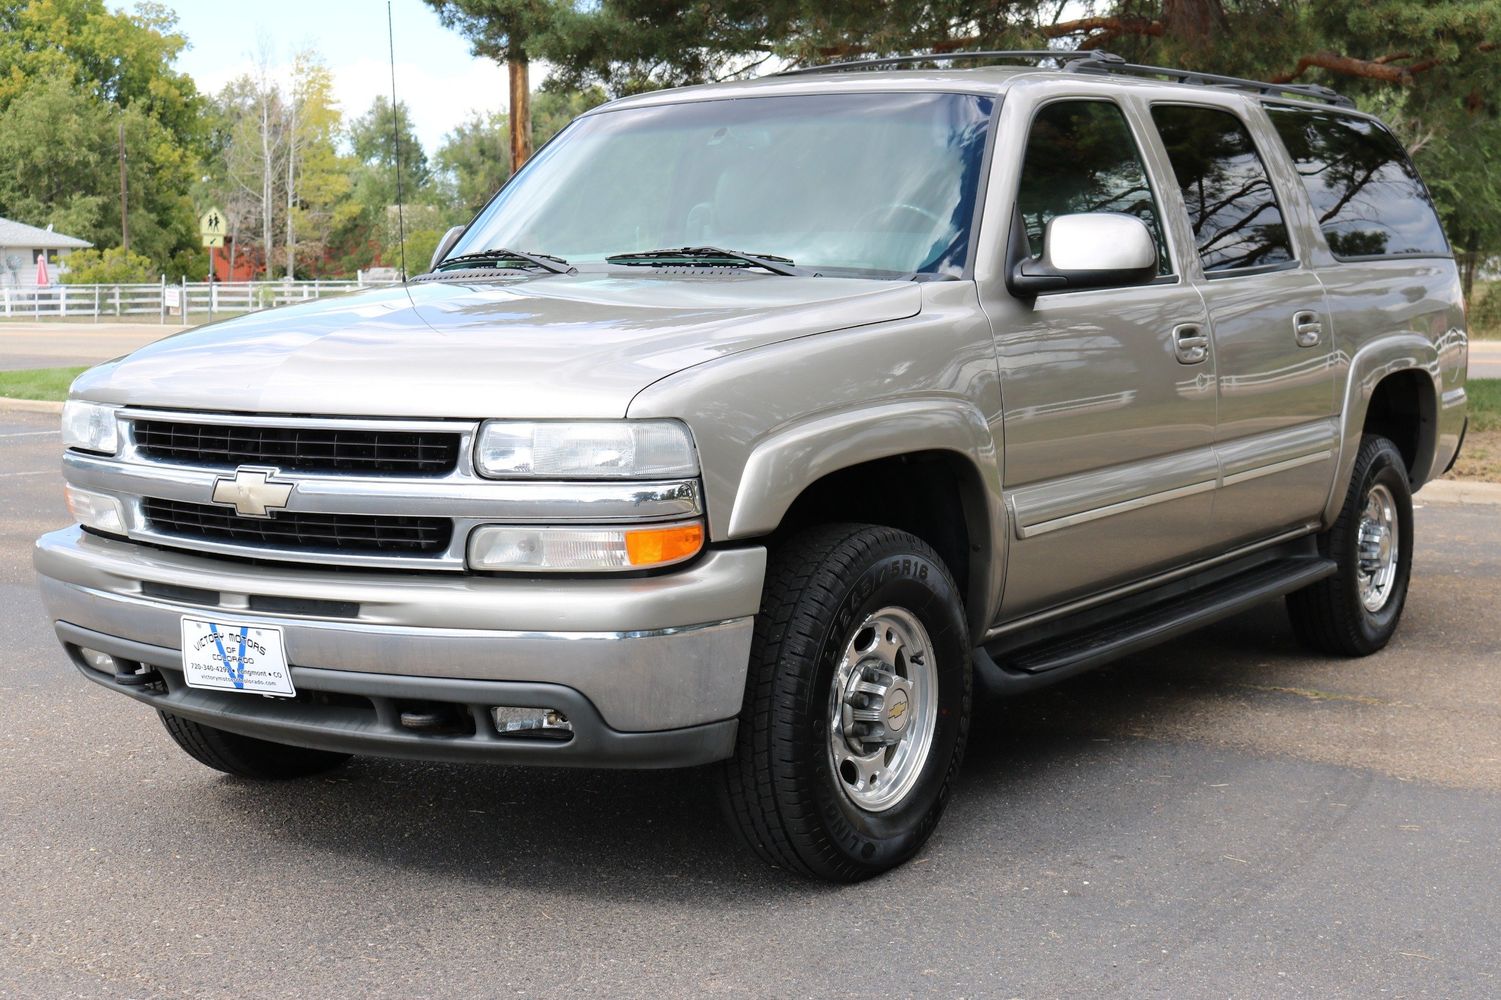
(786, 462)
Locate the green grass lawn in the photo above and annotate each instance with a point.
(1485, 404)
(38, 383)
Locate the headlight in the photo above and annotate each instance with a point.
(590, 449)
(90, 427)
(507, 548)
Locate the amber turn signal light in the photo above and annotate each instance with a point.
(654, 546)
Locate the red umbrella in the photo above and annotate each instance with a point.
(41, 270)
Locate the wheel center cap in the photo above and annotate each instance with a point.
(898, 708)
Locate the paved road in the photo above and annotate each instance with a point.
(53, 345)
(1485, 359)
(1220, 817)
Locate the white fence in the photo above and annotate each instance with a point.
(185, 302)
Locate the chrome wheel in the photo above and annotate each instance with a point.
(883, 708)
(1377, 548)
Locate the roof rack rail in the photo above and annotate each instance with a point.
(1062, 56)
(1093, 61)
(1106, 62)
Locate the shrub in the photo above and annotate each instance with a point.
(115, 266)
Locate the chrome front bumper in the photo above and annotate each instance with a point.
(649, 655)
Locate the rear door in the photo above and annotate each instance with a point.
(1108, 393)
(1277, 436)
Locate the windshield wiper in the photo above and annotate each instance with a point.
(547, 262)
(776, 265)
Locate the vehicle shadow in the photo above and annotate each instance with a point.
(659, 835)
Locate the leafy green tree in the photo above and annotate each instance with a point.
(377, 137)
(474, 161)
(109, 267)
(316, 176)
(367, 230)
(77, 78)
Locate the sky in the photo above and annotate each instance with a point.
(437, 77)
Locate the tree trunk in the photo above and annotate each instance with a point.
(268, 182)
(124, 220)
(521, 112)
(292, 126)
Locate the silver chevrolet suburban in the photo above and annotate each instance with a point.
(770, 424)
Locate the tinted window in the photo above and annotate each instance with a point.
(1231, 204)
(1364, 190)
(1081, 157)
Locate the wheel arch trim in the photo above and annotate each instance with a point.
(784, 464)
(1373, 364)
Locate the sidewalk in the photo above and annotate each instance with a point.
(1466, 491)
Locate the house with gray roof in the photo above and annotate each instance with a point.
(20, 245)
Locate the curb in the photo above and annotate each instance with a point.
(1460, 491)
(30, 405)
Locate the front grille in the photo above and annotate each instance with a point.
(299, 449)
(364, 533)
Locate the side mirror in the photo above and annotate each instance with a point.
(1090, 250)
(445, 244)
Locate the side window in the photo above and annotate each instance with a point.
(1230, 200)
(1364, 189)
(1081, 157)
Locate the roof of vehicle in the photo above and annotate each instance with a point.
(890, 75)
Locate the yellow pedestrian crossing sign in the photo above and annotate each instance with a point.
(212, 228)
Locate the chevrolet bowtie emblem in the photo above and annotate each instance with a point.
(252, 492)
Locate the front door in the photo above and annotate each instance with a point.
(1108, 394)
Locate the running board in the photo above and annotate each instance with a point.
(1021, 668)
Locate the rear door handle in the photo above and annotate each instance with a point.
(1308, 330)
(1190, 344)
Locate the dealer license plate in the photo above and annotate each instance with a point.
(235, 656)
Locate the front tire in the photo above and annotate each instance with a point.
(857, 704)
(1355, 612)
(244, 756)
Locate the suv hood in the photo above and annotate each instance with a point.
(566, 346)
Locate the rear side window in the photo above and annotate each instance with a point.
(1365, 191)
(1082, 157)
(1231, 204)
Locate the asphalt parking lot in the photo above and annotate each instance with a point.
(1223, 816)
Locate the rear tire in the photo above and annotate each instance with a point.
(857, 704)
(244, 756)
(1355, 612)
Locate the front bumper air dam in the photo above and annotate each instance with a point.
(650, 671)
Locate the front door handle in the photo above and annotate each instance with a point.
(1308, 330)
(1190, 344)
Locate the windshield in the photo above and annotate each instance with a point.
(865, 182)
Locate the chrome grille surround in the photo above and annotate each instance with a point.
(461, 495)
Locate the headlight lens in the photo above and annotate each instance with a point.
(590, 449)
(90, 427)
(507, 548)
